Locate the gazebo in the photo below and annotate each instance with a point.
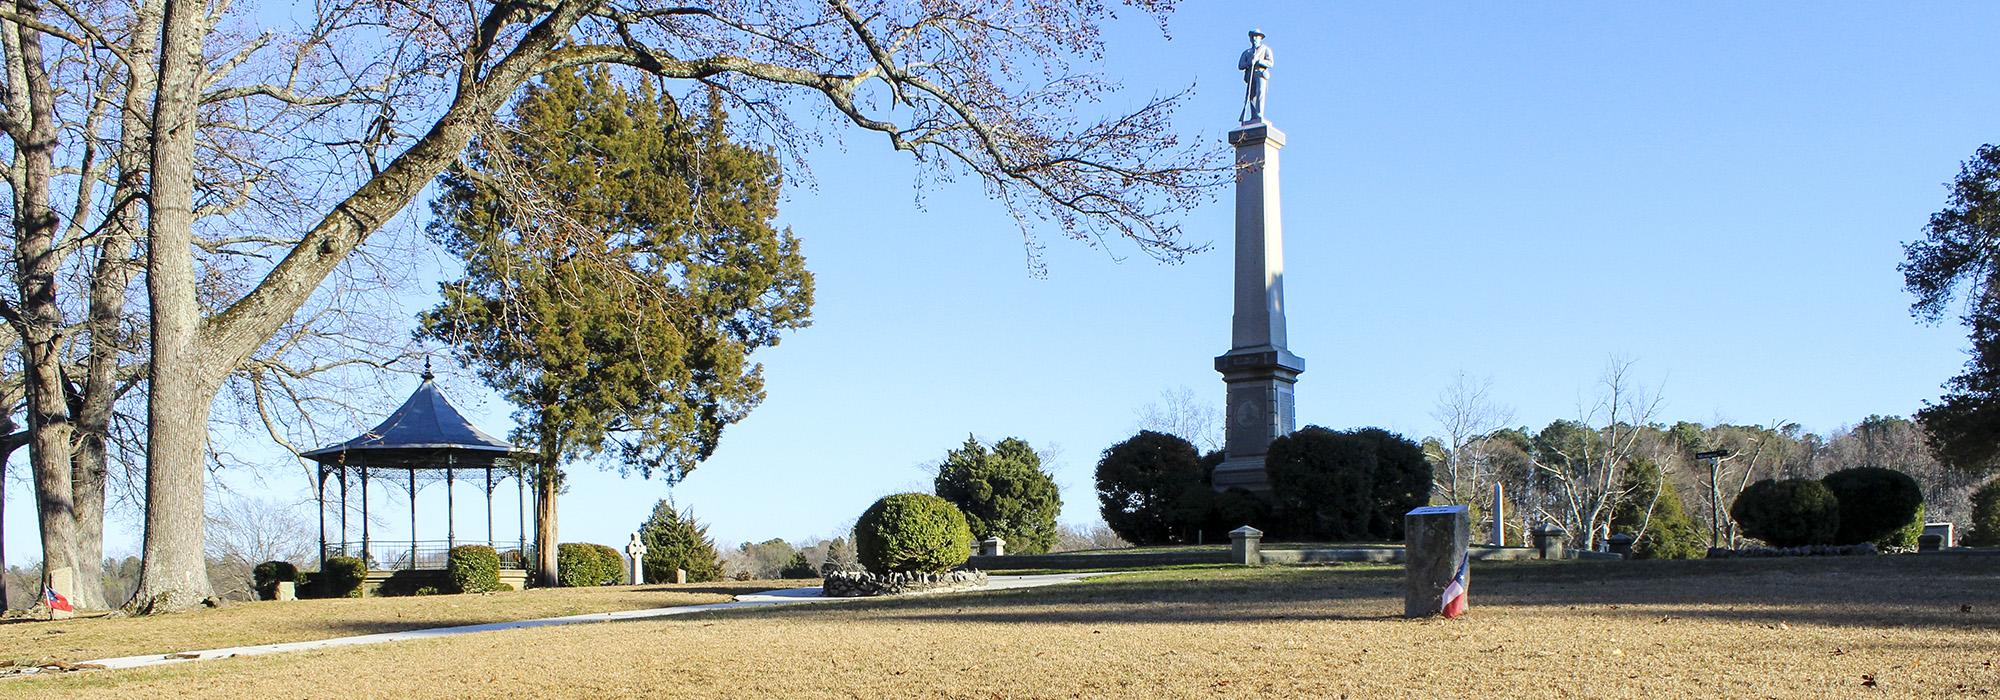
(426, 441)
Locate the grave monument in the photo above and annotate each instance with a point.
(1258, 369)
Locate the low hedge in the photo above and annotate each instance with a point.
(342, 577)
(268, 575)
(474, 568)
(613, 562)
(583, 564)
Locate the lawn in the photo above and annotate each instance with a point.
(244, 624)
(1903, 626)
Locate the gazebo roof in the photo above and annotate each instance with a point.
(427, 432)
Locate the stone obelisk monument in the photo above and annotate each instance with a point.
(1258, 368)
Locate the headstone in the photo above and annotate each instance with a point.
(993, 547)
(287, 590)
(1620, 544)
(1549, 541)
(680, 575)
(63, 581)
(1437, 572)
(1246, 546)
(1258, 370)
(637, 550)
(1947, 536)
(1930, 542)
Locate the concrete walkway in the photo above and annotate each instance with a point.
(789, 596)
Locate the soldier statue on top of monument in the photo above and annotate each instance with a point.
(1256, 66)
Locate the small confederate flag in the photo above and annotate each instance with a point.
(55, 600)
(1454, 592)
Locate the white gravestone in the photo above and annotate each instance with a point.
(637, 550)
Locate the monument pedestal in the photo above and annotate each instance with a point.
(1258, 369)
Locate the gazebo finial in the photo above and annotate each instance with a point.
(427, 368)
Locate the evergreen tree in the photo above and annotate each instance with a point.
(1957, 259)
(1003, 492)
(1653, 505)
(839, 557)
(620, 267)
(676, 541)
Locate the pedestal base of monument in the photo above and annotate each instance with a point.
(1242, 473)
(1437, 572)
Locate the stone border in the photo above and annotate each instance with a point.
(857, 584)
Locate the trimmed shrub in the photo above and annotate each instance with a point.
(912, 532)
(611, 563)
(1322, 484)
(474, 568)
(581, 564)
(674, 540)
(1875, 503)
(1347, 485)
(1003, 493)
(1985, 529)
(1789, 513)
(268, 575)
(1153, 489)
(342, 577)
(798, 567)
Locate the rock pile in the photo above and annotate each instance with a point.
(854, 584)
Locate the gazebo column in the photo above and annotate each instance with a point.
(489, 505)
(319, 493)
(521, 511)
(450, 519)
(364, 518)
(343, 511)
(413, 517)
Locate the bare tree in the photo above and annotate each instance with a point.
(1466, 412)
(1180, 413)
(984, 87)
(245, 531)
(1584, 460)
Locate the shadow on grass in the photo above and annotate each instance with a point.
(1883, 591)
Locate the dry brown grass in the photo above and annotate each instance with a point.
(1745, 628)
(245, 624)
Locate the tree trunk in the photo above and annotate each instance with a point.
(174, 575)
(547, 482)
(40, 321)
(108, 284)
(8, 444)
(191, 354)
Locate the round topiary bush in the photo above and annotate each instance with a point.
(1153, 489)
(1875, 503)
(912, 532)
(342, 577)
(474, 568)
(1789, 513)
(269, 574)
(1985, 529)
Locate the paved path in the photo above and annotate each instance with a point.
(790, 596)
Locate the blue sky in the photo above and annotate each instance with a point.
(1521, 192)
